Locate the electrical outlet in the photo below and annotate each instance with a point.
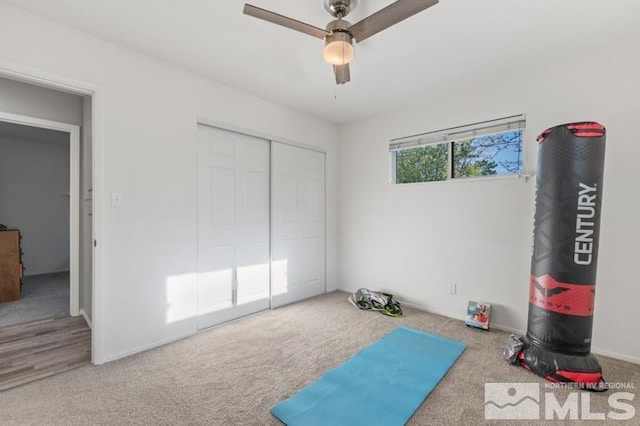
(452, 288)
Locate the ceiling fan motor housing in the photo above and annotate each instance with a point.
(339, 25)
(339, 8)
(339, 32)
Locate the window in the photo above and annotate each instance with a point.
(423, 164)
(490, 148)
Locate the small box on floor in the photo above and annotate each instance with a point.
(478, 314)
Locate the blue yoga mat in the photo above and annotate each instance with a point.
(382, 384)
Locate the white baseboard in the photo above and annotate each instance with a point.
(595, 350)
(86, 317)
(142, 348)
(508, 329)
(33, 274)
(429, 311)
(615, 355)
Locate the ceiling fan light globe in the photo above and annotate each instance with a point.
(338, 50)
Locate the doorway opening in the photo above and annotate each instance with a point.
(45, 189)
(40, 199)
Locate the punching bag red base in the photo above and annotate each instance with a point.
(564, 258)
(584, 370)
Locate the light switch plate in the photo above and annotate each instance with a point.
(117, 199)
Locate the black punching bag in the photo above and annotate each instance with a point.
(565, 254)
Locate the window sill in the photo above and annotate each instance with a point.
(523, 176)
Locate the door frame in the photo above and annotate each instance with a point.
(74, 196)
(42, 78)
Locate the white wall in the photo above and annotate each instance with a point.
(414, 240)
(34, 188)
(149, 154)
(33, 101)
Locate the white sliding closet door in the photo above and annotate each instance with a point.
(298, 223)
(233, 225)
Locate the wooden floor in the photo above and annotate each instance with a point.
(42, 348)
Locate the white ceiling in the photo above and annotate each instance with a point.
(453, 45)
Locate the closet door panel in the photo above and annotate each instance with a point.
(233, 225)
(298, 223)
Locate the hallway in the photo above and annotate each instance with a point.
(42, 348)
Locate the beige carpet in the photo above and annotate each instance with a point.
(234, 374)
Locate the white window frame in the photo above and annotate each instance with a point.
(452, 135)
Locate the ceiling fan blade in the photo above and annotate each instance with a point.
(342, 73)
(269, 16)
(390, 15)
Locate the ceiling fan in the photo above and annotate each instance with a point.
(339, 34)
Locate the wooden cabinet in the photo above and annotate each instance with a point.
(10, 265)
